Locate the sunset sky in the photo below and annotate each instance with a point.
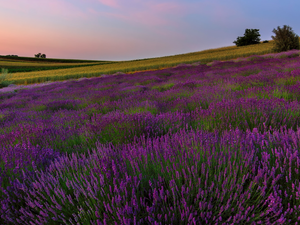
(135, 29)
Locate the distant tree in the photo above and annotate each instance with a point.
(43, 56)
(251, 37)
(285, 39)
(38, 55)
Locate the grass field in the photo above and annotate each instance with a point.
(110, 67)
(24, 64)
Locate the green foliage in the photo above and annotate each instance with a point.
(59, 106)
(251, 37)
(288, 81)
(163, 87)
(51, 66)
(265, 41)
(4, 78)
(39, 108)
(239, 87)
(249, 72)
(282, 94)
(38, 55)
(285, 39)
(135, 110)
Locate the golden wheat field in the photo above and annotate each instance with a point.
(206, 56)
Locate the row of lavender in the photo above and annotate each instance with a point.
(197, 144)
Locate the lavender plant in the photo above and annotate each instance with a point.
(195, 144)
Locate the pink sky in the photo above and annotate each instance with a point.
(132, 29)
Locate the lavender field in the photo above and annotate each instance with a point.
(193, 144)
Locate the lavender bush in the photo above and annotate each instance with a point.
(194, 144)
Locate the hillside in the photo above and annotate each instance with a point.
(79, 69)
(199, 144)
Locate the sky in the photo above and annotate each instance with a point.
(135, 29)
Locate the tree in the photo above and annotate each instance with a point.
(285, 39)
(43, 56)
(38, 55)
(251, 37)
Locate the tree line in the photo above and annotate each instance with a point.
(40, 55)
(284, 40)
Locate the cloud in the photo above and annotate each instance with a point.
(167, 7)
(110, 3)
(218, 12)
(145, 12)
(53, 7)
(65, 9)
(142, 18)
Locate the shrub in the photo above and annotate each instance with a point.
(265, 41)
(3, 78)
(251, 37)
(285, 39)
(38, 55)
